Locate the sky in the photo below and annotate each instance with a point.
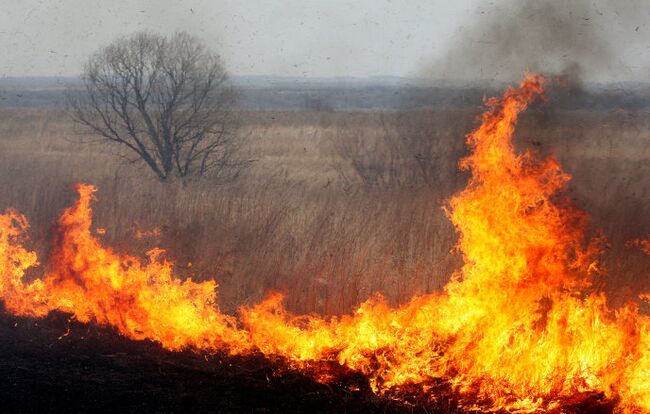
(308, 38)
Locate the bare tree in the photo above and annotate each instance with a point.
(167, 101)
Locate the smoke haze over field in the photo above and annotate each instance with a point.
(461, 40)
(597, 40)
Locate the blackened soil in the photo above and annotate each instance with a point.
(57, 365)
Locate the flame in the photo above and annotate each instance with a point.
(519, 327)
(141, 299)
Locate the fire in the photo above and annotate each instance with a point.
(519, 327)
(141, 299)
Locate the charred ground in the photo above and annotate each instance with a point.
(59, 365)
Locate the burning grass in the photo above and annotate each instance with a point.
(520, 327)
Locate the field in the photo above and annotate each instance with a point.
(336, 206)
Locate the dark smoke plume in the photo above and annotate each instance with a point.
(580, 39)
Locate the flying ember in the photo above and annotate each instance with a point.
(519, 327)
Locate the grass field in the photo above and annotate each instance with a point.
(337, 205)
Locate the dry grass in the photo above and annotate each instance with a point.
(306, 219)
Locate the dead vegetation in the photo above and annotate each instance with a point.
(338, 205)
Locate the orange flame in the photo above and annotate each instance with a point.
(519, 327)
(141, 299)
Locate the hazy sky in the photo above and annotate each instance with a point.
(256, 37)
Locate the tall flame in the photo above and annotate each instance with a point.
(518, 327)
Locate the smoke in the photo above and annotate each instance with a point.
(580, 39)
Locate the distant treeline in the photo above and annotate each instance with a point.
(414, 97)
(319, 95)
